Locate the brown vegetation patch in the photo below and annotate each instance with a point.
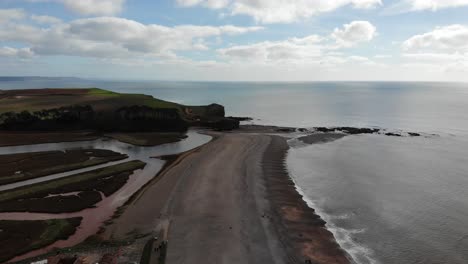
(25, 166)
(53, 196)
(19, 237)
(29, 138)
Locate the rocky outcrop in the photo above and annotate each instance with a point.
(359, 131)
(221, 124)
(215, 110)
(348, 130)
(240, 118)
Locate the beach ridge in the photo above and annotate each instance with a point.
(234, 202)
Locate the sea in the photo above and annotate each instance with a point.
(401, 200)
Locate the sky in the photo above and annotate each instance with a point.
(236, 40)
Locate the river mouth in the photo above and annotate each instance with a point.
(94, 218)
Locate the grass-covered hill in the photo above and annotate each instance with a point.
(57, 109)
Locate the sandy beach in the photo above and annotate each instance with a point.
(230, 201)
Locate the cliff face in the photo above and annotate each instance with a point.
(215, 110)
(72, 117)
(69, 109)
(143, 118)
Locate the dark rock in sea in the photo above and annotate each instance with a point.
(358, 131)
(321, 138)
(303, 130)
(348, 130)
(392, 134)
(240, 118)
(324, 129)
(286, 129)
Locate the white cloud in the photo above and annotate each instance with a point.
(23, 53)
(354, 33)
(105, 37)
(90, 7)
(382, 56)
(290, 50)
(366, 4)
(46, 19)
(95, 7)
(434, 5)
(214, 4)
(313, 49)
(451, 38)
(11, 14)
(281, 11)
(436, 57)
(444, 49)
(404, 6)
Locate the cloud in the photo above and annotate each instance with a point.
(444, 49)
(214, 4)
(280, 11)
(90, 7)
(436, 57)
(453, 38)
(354, 33)
(290, 50)
(95, 7)
(404, 6)
(23, 53)
(310, 49)
(11, 14)
(46, 19)
(105, 37)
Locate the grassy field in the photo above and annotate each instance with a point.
(85, 189)
(101, 100)
(19, 237)
(25, 166)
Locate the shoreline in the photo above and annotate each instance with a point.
(253, 214)
(303, 229)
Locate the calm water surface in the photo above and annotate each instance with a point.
(387, 200)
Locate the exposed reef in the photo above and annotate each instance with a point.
(364, 130)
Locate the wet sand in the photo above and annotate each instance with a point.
(231, 201)
(302, 231)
